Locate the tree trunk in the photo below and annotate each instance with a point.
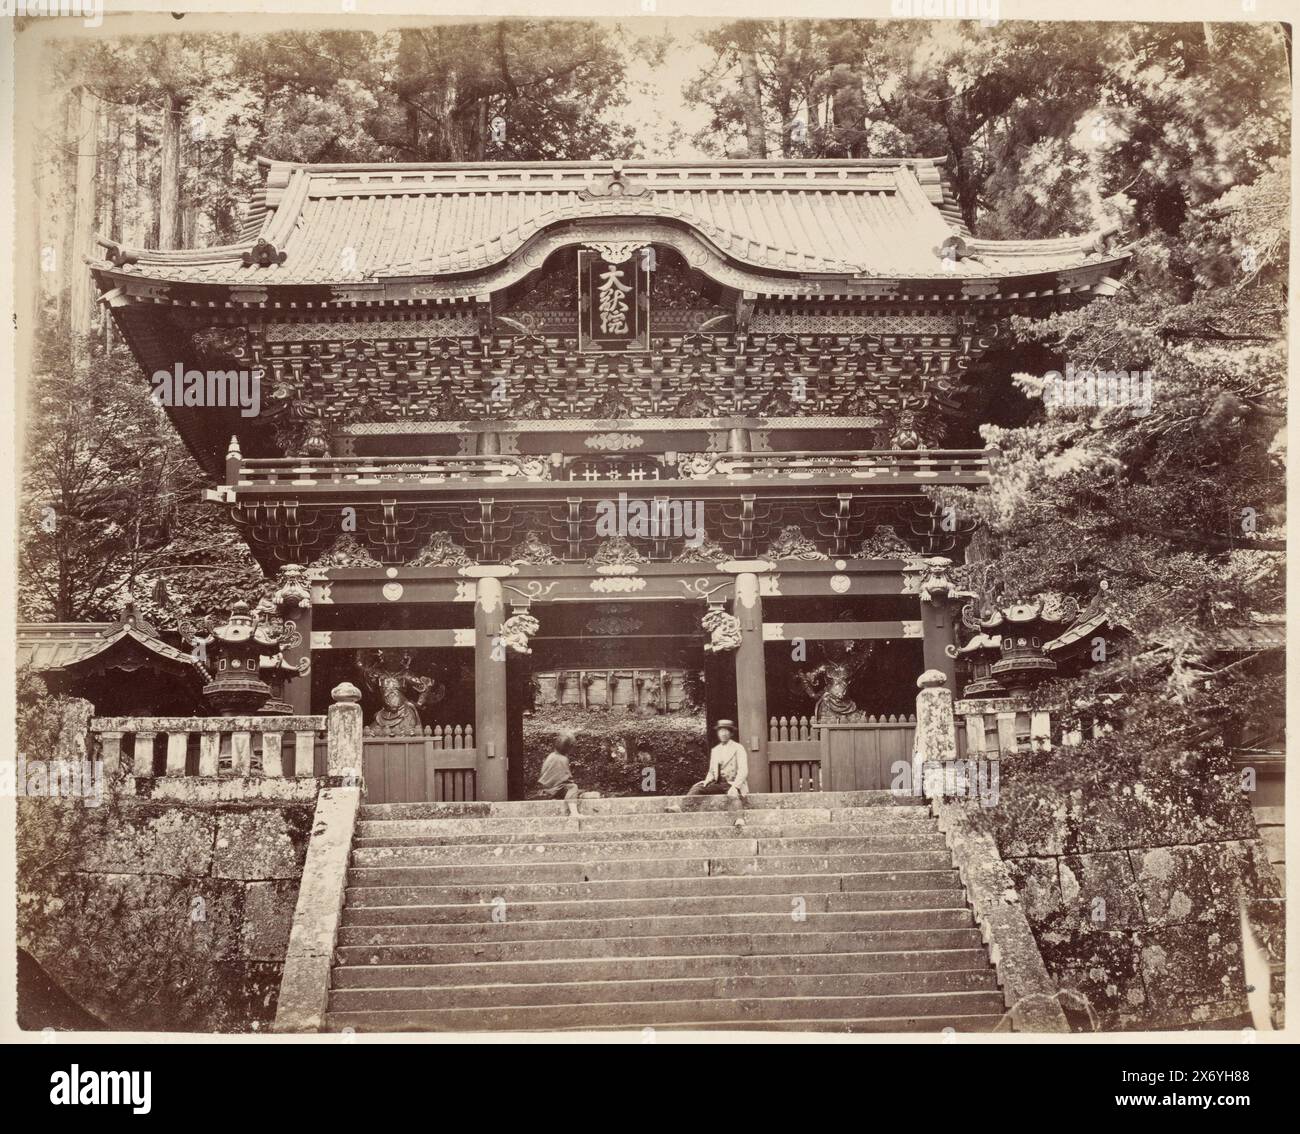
(755, 135)
(144, 214)
(109, 226)
(846, 114)
(814, 123)
(54, 172)
(169, 176)
(82, 308)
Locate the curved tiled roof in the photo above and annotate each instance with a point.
(864, 219)
(60, 645)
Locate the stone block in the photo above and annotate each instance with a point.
(260, 843)
(268, 917)
(1037, 882)
(147, 840)
(1188, 883)
(1099, 892)
(1186, 967)
(1099, 969)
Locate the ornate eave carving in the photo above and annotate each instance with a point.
(791, 543)
(616, 551)
(346, 551)
(442, 551)
(531, 550)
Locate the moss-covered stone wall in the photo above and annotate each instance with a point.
(162, 914)
(1133, 877)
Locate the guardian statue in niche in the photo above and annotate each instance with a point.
(398, 715)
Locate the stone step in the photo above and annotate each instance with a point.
(361, 945)
(934, 1025)
(928, 1005)
(726, 845)
(514, 916)
(487, 931)
(647, 804)
(371, 907)
(561, 834)
(783, 884)
(809, 821)
(551, 971)
(582, 871)
(409, 994)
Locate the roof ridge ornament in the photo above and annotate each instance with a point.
(615, 251)
(616, 185)
(118, 254)
(263, 254)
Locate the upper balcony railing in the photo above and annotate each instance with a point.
(964, 466)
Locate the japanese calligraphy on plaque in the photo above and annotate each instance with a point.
(613, 299)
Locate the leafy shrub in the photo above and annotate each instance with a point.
(40, 714)
(621, 754)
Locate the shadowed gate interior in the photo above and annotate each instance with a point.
(634, 686)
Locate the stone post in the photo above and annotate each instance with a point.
(751, 679)
(936, 734)
(343, 745)
(490, 731)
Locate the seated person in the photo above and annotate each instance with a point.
(728, 773)
(555, 781)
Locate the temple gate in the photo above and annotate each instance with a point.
(699, 404)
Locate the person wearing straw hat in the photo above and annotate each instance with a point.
(728, 772)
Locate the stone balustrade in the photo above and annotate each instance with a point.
(252, 749)
(209, 746)
(1004, 725)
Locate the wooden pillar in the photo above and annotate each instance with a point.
(938, 619)
(751, 679)
(297, 686)
(938, 632)
(490, 689)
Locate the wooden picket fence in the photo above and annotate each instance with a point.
(435, 765)
(803, 755)
(443, 736)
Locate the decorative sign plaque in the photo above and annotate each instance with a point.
(613, 300)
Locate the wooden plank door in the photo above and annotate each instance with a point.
(861, 757)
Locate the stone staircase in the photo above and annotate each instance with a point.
(827, 912)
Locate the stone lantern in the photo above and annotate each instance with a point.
(979, 653)
(1025, 630)
(232, 655)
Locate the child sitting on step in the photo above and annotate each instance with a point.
(555, 781)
